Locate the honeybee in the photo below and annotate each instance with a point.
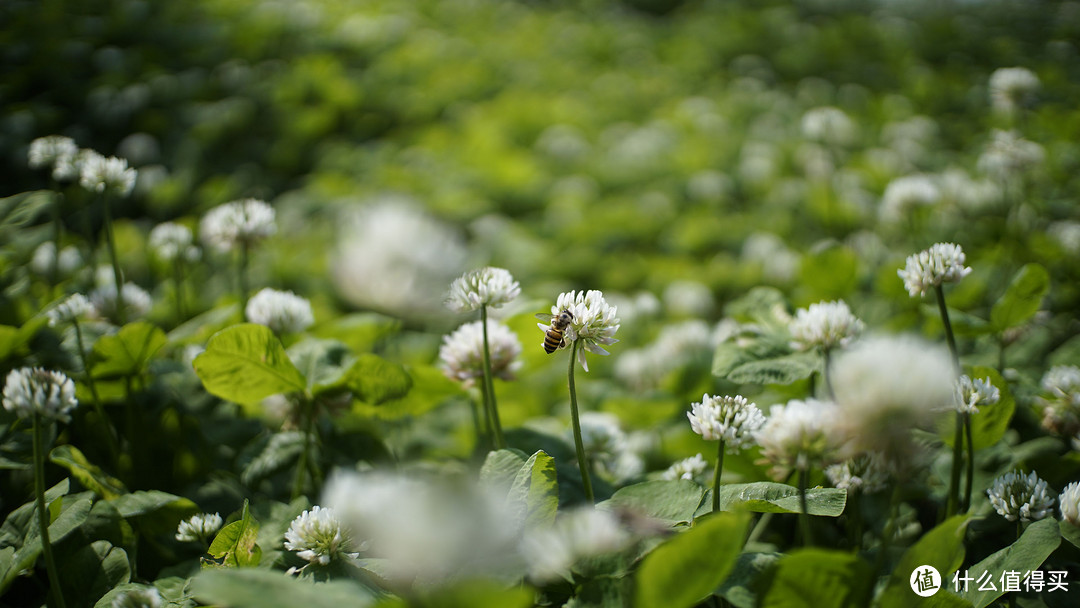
(553, 339)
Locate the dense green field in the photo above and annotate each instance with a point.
(742, 188)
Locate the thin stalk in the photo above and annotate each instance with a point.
(489, 385)
(954, 476)
(302, 464)
(99, 407)
(948, 327)
(54, 271)
(759, 528)
(583, 464)
(804, 516)
(43, 513)
(481, 434)
(716, 477)
(242, 278)
(827, 354)
(117, 276)
(178, 294)
(966, 503)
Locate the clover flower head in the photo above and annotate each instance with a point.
(461, 356)
(71, 308)
(800, 435)
(30, 391)
(1011, 87)
(578, 533)
(970, 394)
(486, 286)
(825, 325)
(318, 536)
(99, 174)
(609, 448)
(941, 263)
(53, 152)
(135, 301)
(199, 528)
(1061, 400)
(140, 597)
(1069, 503)
(733, 420)
(1018, 496)
(594, 322)
(281, 311)
(687, 468)
(867, 472)
(239, 222)
(45, 255)
(171, 241)
(1009, 155)
(829, 125)
(908, 192)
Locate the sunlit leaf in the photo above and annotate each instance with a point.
(1038, 541)
(771, 497)
(819, 578)
(89, 475)
(535, 491)
(376, 380)
(127, 352)
(1022, 299)
(247, 363)
(668, 501)
(235, 545)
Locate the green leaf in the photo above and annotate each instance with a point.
(91, 571)
(127, 352)
(148, 501)
(535, 491)
(771, 497)
(1071, 533)
(468, 594)
(739, 588)
(942, 548)
(375, 380)
(501, 468)
(778, 370)
(89, 475)
(22, 209)
(1038, 541)
(687, 568)
(256, 588)
(235, 545)
(9, 341)
(1022, 299)
(245, 364)
(819, 578)
(323, 362)
(671, 502)
(828, 273)
(991, 422)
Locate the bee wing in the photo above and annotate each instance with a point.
(544, 316)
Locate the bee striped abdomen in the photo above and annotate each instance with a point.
(553, 340)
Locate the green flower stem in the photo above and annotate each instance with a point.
(302, 465)
(178, 293)
(43, 513)
(58, 231)
(583, 463)
(99, 407)
(110, 240)
(804, 516)
(948, 327)
(716, 477)
(827, 354)
(966, 503)
(242, 278)
(481, 433)
(954, 478)
(489, 385)
(759, 529)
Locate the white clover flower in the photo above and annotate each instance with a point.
(318, 537)
(594, 322)
(612, 452)
(281, 311)
(1009, 155)
(1069, 503)
(242, 222)
(170, 241)
(687, 468)
(135, 301)
(867, 473)
(199, 528)
(54, 152)
(31, 391)
(777, 261)
(98, 174)
(1018, 496)
(141, 597)
(941, 263)
(800, 435)
(71, 308)
(1010, 88)
(733, 420)
(487, 286)
(908, 192)
(825, 325)
(576, 534)
(966, 191)
(829, 125)
(45, 255)
(461, 356)
(688, 298)
(1061, 400)
(972, 393)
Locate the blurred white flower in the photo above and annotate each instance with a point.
(1069, 503)
(1061, 400)
(970, 394)
(242, 222)
(609, 449)
(594, 322)
(800, 435)
(71, 308)
(135, 300)
(868, 472)
(1067, 234)
(1009, 155)
(687, 468)
(30, 391)
(170, 241)
(282, 311)
(141, 597)
(199, 528)
(829, 125)
(563, 142)
(54, 152)
(1018, 496)
(907, 192)
(643, 304)
(733, 420)
(487, 286)
(112, 174)
(42, 262)
(1011, 88)
(825, 325)
(578, 533)
(778, 261)
(677, 346)
(688, 298)
(975, 194)
(318, 536)
(941, 263)
(461, 356)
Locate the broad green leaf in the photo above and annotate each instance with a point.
(359, 331)
(198, 329)
(687, 568)
(469, 594)
(1022, 299)
(749, 307)
(819, 578)
(323, 362)
(73, 512)
(245, 364)
(671, 502)
(778, 370)
(1038, 541)
(257, 588)
(739, 588)
(127, 352)
(1071, 533)
(148, 501)
(281, 450)
(727, 357)
(235, 545)
(501, 468)
(89, 475)
(989, 424)
(93, 570)
(9, 341)
(771, 497)
(22, 209)
(535, 491)
(375, 380)
(942, 548)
